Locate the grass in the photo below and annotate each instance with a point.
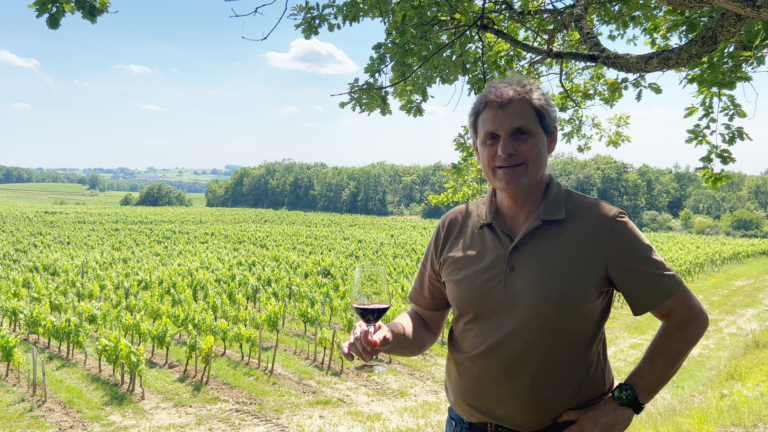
(17, 413)
(45, 187)
(68, 194)
(91, 396)
(731, 356)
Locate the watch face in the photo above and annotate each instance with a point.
(623, 394)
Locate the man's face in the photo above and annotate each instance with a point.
(511, 146)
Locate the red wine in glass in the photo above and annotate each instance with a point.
(370, 300)
(370, 313)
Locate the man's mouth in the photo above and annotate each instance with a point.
(510, 166)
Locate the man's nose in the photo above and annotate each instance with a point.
(506, 146)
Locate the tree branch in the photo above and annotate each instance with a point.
(721, 29)
(273, 28)
(438, 51)
(755, 9)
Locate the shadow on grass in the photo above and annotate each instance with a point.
(115, 396)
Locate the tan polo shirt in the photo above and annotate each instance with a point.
(528, 341)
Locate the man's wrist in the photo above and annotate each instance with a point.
(397, 330)
(625, 396)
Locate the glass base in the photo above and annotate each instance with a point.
(370, 368)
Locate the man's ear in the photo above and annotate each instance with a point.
(552, 141)
(474, 147)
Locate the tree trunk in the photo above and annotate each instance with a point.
(167, 349)
(122, 374)
(242, 355)
(225, 347)
(274, 354)
(322, 362)
(185, 367)
(152, 353)
(330, 357)
(314, 359)
(202, 376)
(210, 365)
(7, 370)
(258, 361)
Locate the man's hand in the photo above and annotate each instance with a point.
(364, 344)
(606, 416)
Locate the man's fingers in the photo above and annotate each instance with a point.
(345, 351)
(569, 416)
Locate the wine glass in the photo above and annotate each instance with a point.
(370, 300)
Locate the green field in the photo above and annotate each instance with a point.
(100, 271)
(67, 194)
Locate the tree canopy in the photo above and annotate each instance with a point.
(713, 45)
(158, 195)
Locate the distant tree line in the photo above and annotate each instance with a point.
(670, 199)
(376, 189)
(94, 180)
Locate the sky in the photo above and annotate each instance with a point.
(173, 84)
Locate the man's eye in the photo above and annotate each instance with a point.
(492, 138)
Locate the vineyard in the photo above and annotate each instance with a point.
(129, 292)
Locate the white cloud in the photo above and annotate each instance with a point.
(149, 107)
(319, 108)
(174, 70)
(14, 60)
(136, 68)
(289, 110)
(84, 84)
(21, 106)
(313, 56)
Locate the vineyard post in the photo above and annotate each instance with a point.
(29, 374)
(274, 353)
(45, 382)
(210, 364)
(34, 370)
(314, 359)
(255, 294)
(196, 348)
(285, 307)
(258, 361)
(330, 358)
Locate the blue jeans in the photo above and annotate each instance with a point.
(454, 423)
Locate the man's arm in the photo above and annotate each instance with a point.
(410, 334)
(683, 323)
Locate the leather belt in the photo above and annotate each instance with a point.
(492, 427)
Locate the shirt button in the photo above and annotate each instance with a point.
(511, 268)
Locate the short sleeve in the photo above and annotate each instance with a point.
(636, 270)
(428, 290)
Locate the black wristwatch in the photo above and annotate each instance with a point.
(626, 396)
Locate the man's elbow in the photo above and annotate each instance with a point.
(695, 321)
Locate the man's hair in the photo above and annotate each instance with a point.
(503, 91)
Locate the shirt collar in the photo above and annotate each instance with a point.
(552, 208)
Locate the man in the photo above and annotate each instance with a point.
(530, 271)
